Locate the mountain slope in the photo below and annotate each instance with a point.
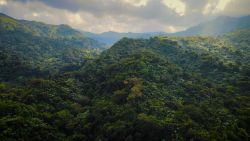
(207, 56)
(169, 88)
(163, 88)
(218, 26)
(38, 29)
(45, 46)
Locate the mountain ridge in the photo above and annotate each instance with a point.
(214, 27)
(218, 26)
(164, 88)
(40, 45)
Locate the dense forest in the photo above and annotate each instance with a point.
(58, 85)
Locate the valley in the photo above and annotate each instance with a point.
(58, 84)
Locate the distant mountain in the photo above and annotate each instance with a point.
(110, 37)
(218, 26)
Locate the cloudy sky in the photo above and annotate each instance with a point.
(124, 15)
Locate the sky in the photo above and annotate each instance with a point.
(125, 15)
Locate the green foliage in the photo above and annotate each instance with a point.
(43, 47)
(158, 89)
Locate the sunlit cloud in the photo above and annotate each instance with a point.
(171, 29)
(222, 4)
(215, 6)
(35, 14)
(3, 2)
(178, 6)
(137, 3)
(74, 18)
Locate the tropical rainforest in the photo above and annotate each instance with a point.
(58, 85)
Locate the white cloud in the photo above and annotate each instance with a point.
(35, 14)
(207, 9)
(178, 6)
(222, 4)
(124, 15)
(82, 20)
(74, 18)
(171, 29)
(137, 3)
(3, 2)
(215, 6)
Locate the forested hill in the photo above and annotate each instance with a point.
(43, 46)
(170, 88)
(40, 29)
(54, 88)
(190, 88)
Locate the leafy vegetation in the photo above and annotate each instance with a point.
(157, 89)
(45, 47)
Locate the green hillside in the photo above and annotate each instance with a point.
(45, 47)
(56, 85)
(40, 29)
